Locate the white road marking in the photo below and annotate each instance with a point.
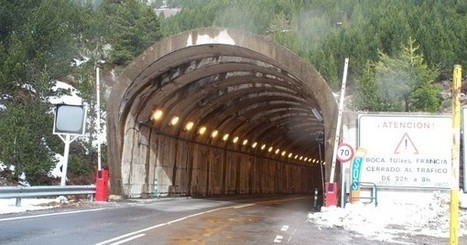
(243, 206)
(284, 228)
(54, 214)
(278, 239)
(129, 239)
(290, 237)
(110, 241)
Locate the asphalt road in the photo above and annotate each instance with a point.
(278, 220)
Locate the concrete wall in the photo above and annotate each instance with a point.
(185, 168)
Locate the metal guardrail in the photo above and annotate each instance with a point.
(43, 191)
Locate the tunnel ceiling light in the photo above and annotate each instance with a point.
(305, 159)
(202, 130)
(254, 145)
(235, 140)
(174, 121)
(290, 155)
(283, 153)
(214, 133)
(156, 115)
(189, 126)
(309, 160)
(245, 142)
(277, 151)
(226, 137)
(296, 156)
(270, 149)
(317, 114)
(301, 158)
(324, 163)
(263, 147)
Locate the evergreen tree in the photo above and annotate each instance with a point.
(130, 26)
(36, 50)
(398, 84)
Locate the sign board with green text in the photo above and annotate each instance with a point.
(406, 150)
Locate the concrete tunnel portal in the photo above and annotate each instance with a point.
(217, 111)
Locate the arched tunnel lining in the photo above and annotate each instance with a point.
(242, 90)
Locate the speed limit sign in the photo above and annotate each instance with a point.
(344, 152)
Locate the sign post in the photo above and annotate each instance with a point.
(454, 205)
(344, 154)
(69, 124)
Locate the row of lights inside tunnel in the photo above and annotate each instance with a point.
(158, 114)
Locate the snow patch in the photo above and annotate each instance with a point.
(72, 99)
(223, 38)
(389, 220)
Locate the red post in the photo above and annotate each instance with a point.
(330, 194)
(102, 188)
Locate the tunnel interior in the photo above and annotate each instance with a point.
(216, 112)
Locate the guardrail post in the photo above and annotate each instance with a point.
(18, 202)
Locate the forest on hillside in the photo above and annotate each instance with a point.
(399, 50)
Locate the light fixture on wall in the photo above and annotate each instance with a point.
(263, 147)
(214, 133)
(156, 115)
(174, 121)
(317, 114)
(245, 142)
(235, 140)
(202, 130)
(225, 137)
(189, 126)
(254, 145)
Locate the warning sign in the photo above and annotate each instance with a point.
(406, 145)
(406, 150)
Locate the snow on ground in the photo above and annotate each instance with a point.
(9, 205)
(390, 219)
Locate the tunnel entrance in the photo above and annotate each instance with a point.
(217, 111)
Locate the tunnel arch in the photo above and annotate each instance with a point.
(228, 81)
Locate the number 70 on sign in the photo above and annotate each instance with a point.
(344, 152)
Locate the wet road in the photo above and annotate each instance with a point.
(278, 220)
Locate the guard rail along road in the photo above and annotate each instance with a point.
(19, 192)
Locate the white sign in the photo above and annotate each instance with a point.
(69, 119)
(406, 150)
(344, 152)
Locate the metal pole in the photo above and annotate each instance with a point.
(67, 142)
(321, 166)
(339, 121)
(342, 184)
(454, 206)
(98, 105)
(464, 126)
